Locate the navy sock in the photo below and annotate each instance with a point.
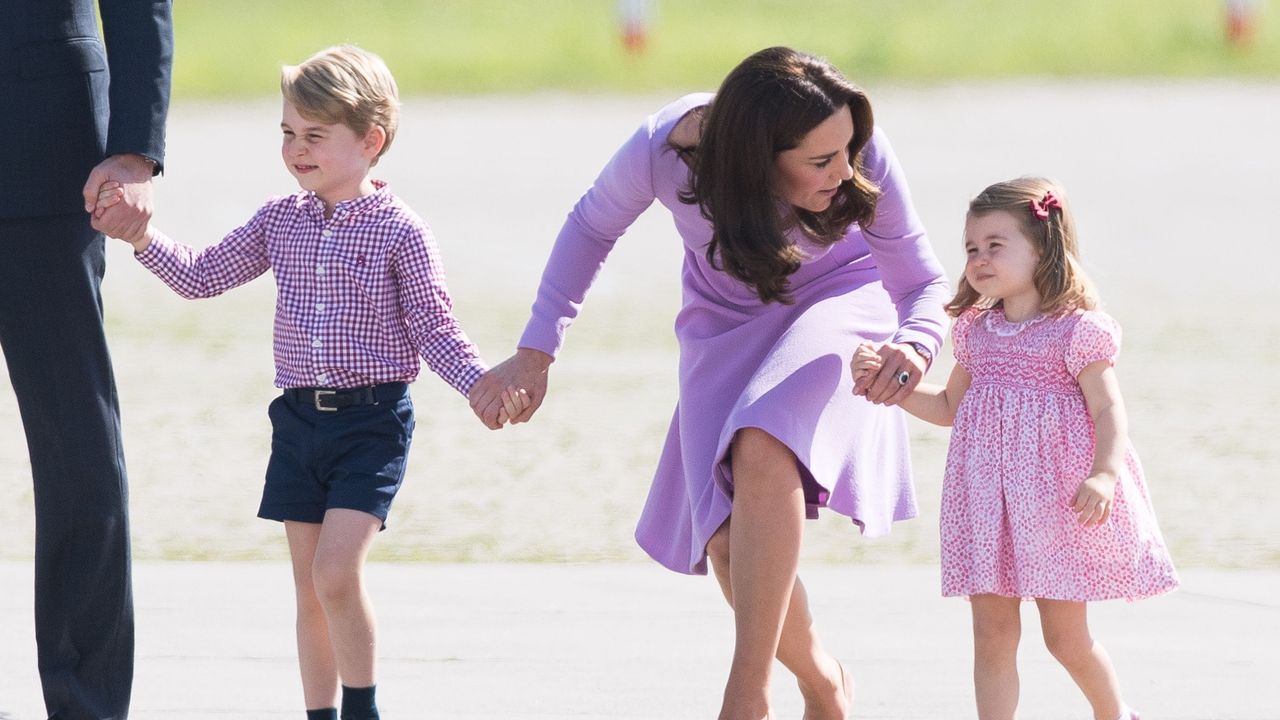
(358, 703)
(325, 714)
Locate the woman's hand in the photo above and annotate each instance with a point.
(1094, 499)
(523, 377)
(901, 369)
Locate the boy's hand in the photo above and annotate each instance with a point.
(865, 364)
(119, 226)
(1094, 499)
(514, 402)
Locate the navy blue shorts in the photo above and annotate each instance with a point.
(351, 458)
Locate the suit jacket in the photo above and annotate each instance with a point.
(66, 101)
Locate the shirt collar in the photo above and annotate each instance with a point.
(347, 209)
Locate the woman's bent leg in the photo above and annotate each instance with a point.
(827, 689)
(764, 541)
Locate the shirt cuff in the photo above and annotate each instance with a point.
(470, 375)
(156, 250)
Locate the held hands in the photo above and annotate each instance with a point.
(512, 391)
(886, 376)
(128, 214)
(123, 226)
(1094, 499)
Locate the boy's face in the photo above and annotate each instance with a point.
(329, 160)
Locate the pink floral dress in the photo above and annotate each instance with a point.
(1021, 444)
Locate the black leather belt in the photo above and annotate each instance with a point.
(326, 400)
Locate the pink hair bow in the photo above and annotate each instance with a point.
(1040, 208)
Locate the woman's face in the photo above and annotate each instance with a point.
(810, 174)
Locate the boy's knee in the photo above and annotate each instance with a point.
(334, 582)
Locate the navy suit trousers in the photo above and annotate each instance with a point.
(56, 350)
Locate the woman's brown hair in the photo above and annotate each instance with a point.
(1059, 278)
(765, 106)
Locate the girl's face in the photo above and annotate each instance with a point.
(1002, 261)
(810, 174)
(329, 160)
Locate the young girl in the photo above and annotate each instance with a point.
(1043, 495)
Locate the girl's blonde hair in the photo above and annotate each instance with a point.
(1042, 211)
(345, 85)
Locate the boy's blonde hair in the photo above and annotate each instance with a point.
(1059, 278)
(345, 85)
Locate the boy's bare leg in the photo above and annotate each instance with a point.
(338, 573)
(315, 651)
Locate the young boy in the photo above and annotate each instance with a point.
(361, 296)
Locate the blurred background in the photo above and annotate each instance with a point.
(1157, 115)
(231, 48)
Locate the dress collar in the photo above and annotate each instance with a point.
(996, 322)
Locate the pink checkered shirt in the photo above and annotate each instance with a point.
(359, 296)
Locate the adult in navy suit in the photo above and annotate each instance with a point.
(62, 134)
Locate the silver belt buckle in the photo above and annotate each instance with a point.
(324, 393)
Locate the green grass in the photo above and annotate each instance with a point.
(231, 48)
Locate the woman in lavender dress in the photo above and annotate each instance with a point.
(800, 242)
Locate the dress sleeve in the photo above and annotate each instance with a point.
(960, 337)
(618, 196)
(909, 269)
(1095, 337)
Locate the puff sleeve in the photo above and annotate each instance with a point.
(1096, 336)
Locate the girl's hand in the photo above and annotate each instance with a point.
(865, 364)
(119, 226)
(1094, 499)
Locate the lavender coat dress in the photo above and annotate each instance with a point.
(744, 363)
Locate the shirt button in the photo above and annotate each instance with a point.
(316, 343)
(322, 378)
(319, 269)
(319, 307)
(326, 233)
